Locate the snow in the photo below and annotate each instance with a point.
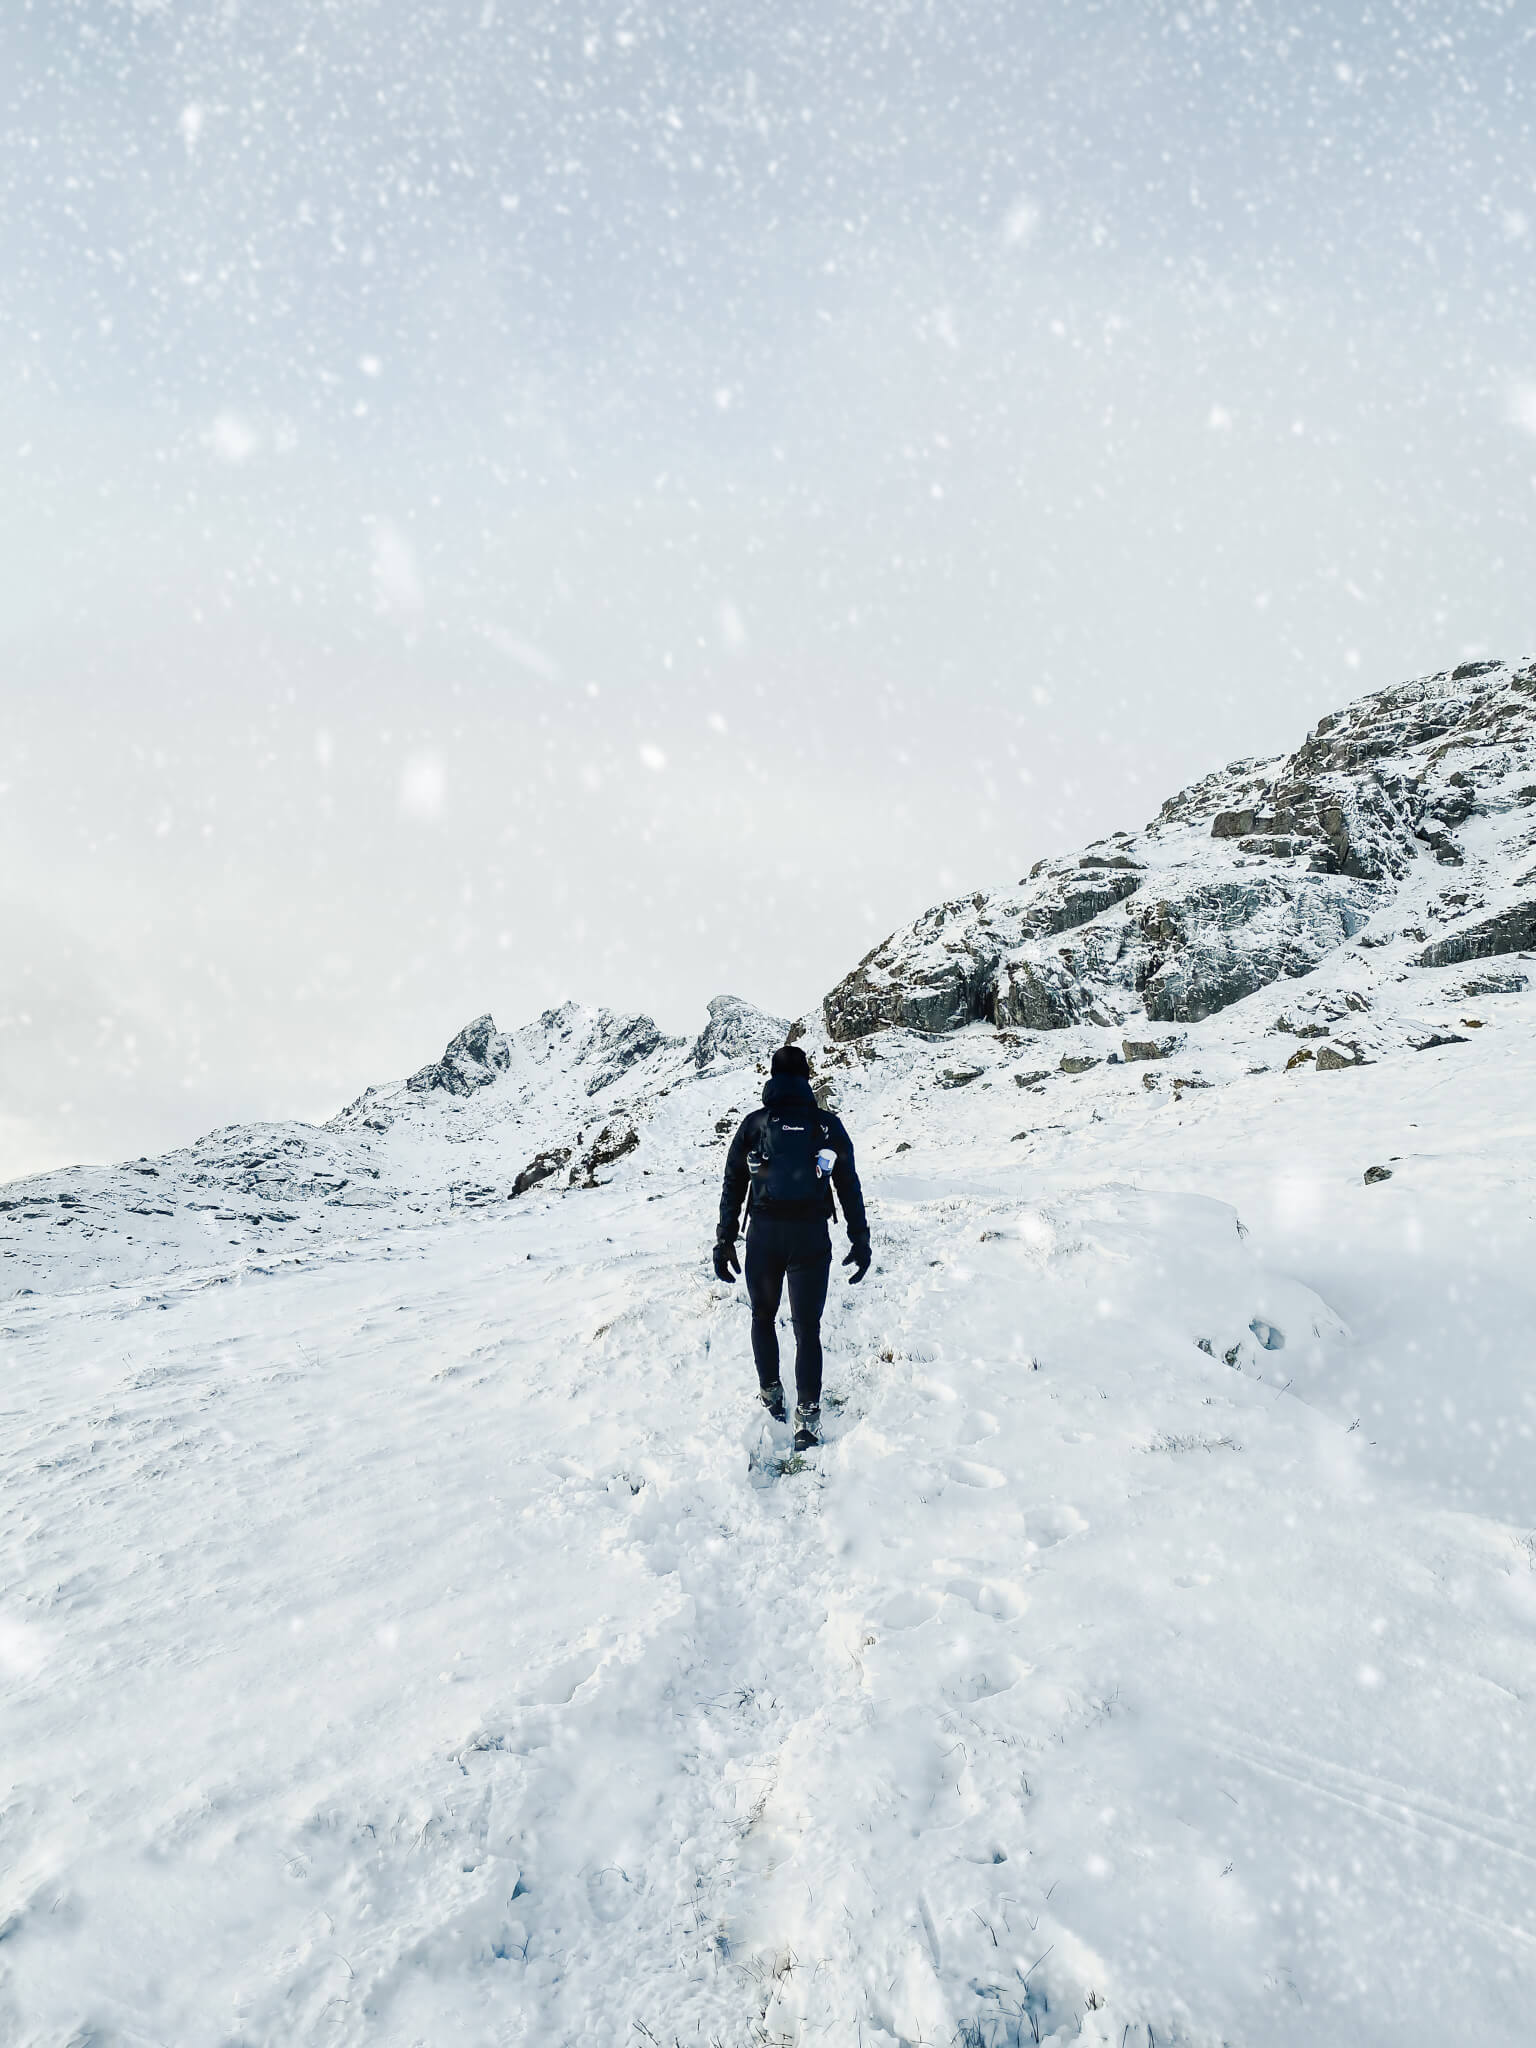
(405, 1638)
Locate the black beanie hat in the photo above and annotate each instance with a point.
(791, 1059)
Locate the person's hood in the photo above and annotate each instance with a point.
(788, 1091)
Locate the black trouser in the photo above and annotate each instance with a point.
(799, 1249)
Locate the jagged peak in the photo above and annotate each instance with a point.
(471, 1059)
(736, 1031)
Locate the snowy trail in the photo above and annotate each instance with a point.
(403, 1639)
(409, 1655)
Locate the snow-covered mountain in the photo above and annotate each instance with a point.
(1405, 824)
(403, 1639)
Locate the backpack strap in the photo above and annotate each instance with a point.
(825, 1131)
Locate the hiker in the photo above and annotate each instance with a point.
(786, 1159)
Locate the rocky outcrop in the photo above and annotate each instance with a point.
(613, 1142)
(736, 1031)
(470, 1061)
(1512, 931)
(540, 1168)
(1217, 942)
(1076, 898)
(1253, 875)
(933, 978)
(1036, 995)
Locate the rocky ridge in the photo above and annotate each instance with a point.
(1369, 896)
(1410, 812)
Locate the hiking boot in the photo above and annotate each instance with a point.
(772, 1399)
(808, 1427)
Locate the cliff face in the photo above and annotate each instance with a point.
(1408, 818)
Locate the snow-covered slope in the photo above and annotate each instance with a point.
(405, 1637)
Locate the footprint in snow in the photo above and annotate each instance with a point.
(969, 1473)
(558, 1686)
(1000, 1598)
(1053, 1524)
(909, 1610)
(1000, 1674)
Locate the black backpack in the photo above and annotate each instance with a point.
(783, 1161)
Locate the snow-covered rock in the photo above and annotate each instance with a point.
(470, 1061)
(736, 1031)
(1250, 876)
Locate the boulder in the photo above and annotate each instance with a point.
(540, 1168)
(1330, 1060)
(1373, 1174)
(1140, 1049)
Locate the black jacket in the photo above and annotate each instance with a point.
(788, 1091)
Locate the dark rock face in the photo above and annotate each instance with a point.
(1041, 995)
(470, 1061)
(1512, 931)
(1496, 985)
(1078, 902)
(540, 1168)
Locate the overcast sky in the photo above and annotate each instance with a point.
(506, 502)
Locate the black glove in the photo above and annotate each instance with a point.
(727, 1265)
(858, 1258)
